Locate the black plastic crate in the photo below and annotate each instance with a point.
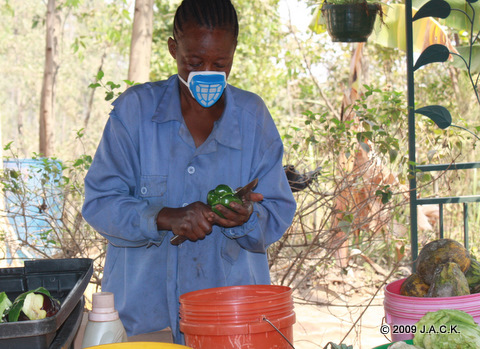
(66, 280)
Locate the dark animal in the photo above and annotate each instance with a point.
(298, 181)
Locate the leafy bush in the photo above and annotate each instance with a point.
(43, 198)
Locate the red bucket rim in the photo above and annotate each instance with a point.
(230, 295)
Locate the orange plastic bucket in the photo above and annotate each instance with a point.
(252, 316)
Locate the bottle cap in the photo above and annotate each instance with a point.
(103, 307)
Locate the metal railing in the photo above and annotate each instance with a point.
(414, 168)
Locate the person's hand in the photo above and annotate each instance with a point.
(193, 221)
(239, 214)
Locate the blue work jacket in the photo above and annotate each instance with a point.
(147, 160)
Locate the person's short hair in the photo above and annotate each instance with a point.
(211, 14)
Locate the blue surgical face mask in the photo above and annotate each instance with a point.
(206, 86)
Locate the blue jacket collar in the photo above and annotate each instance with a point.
(226, 130)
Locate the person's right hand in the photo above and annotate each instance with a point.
(193, 221)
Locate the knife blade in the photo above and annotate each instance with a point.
(246, 189)
(241, 192)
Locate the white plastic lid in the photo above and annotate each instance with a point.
(103, 307)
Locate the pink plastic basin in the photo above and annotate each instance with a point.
(402, 311)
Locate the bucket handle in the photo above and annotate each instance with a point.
(276, 329)
(384, 322)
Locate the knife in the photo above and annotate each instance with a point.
(241, 192)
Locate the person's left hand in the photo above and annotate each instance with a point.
(239, 214)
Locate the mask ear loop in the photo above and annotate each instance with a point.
(186, 84)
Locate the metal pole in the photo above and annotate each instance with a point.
(440, 218)
(411, 130)
(465, 225)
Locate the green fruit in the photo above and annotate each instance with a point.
(212, 197)
(473, 276)
(439, 252)
(223, 189)
(448, 281)
(222, 195)
(228, 199)
(413, 286)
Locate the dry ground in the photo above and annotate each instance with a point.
(318, 325)
(343, 307)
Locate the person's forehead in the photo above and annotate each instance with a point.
(191, 27)
(200, 38)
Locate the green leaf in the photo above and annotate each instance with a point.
(78, 162)
(112, 85)
(100, 75)
(438, 114)
(14, 311)
(464, 51)
(385, 195)
(433, 53)
(433, 8)
(5, 304)
(457, 19)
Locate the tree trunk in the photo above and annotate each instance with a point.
(141, 44)
(47, 102)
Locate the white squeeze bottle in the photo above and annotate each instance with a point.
(104, 325)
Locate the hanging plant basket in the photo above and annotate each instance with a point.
(351, 22)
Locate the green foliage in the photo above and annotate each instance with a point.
(109, 87)
(43, 201)
(162, 64)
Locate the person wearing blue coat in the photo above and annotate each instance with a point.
(166, 144)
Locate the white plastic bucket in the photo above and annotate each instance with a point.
(401, 312)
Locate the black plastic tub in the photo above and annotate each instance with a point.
(66, 280)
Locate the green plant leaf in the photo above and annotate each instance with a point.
(433, 53)
(109, 95)
(100, 75)
(391, 33)
(433, 8)
(457, 19)
(464, 51)
(438, 114)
